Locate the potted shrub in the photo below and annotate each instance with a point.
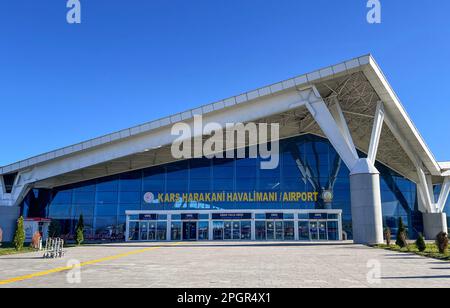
(420, 243)
(442, 242)
(401, 234)
(388, 236)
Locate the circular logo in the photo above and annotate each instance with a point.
(327, 196)
(149, 197)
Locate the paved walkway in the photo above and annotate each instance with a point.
(226, 265)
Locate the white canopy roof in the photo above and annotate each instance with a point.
(357, 83)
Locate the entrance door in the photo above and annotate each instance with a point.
(270, 229)
(279, 230)
(318, 230)
(236, 230)
(189, 231)
(322, 230)
(275, 230)
(313, 230)
(152, 231)
(218, 230)
(227, 230)
(143, 231)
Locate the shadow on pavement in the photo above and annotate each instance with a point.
(417, 277)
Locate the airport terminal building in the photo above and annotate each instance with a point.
(350, 164)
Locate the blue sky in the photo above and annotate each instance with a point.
(130, 62)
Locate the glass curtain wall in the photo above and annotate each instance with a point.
(307, 164)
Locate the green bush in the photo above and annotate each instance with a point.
(19, 237)
(420, 243)
(80, 231)
(442, 242)
(54, 230)
(388, 236)
(401, 234)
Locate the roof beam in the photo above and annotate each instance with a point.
(376, 132)
(338, 115)
(443, 196)
(334, 128)
(401, 140)
(425, 189)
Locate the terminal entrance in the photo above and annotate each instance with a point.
(274, 230)
(232, 230)
(325, 225)
(189, 231)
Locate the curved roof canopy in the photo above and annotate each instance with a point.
(357, 85)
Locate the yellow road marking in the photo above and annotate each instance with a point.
(67, 268)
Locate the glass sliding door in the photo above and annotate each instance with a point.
(323, 236)
(313, 231)
(270, 227)
(236, 230)
(260, 230)
(143, 231)
(152, 231)
(246, 230)
(203, 230)
(189, 231)
(176, 231)
(279, 230)
(161, 232)
(227, 230)
(303, 231)
(218, 230)
(289, 233)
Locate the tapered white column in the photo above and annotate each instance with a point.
(433, 224)
(364, 177)
(367, 216)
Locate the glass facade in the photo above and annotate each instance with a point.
(437, 191)
(292, 225)
(311, 175)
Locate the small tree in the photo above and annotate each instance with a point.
(388, 236)
(442, 242)
(420, 243)
(19, 237)
(79, 236)
(54, 230)
(401, 234)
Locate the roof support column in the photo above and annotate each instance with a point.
(335, 129)
(425, 191)
(434, 218)
(367, 216)
(445, 191)
(436, 221)
(367, 213)
(376, 132)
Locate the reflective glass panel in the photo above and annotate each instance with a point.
(176, 231)
(218, 230)
(203, 230)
